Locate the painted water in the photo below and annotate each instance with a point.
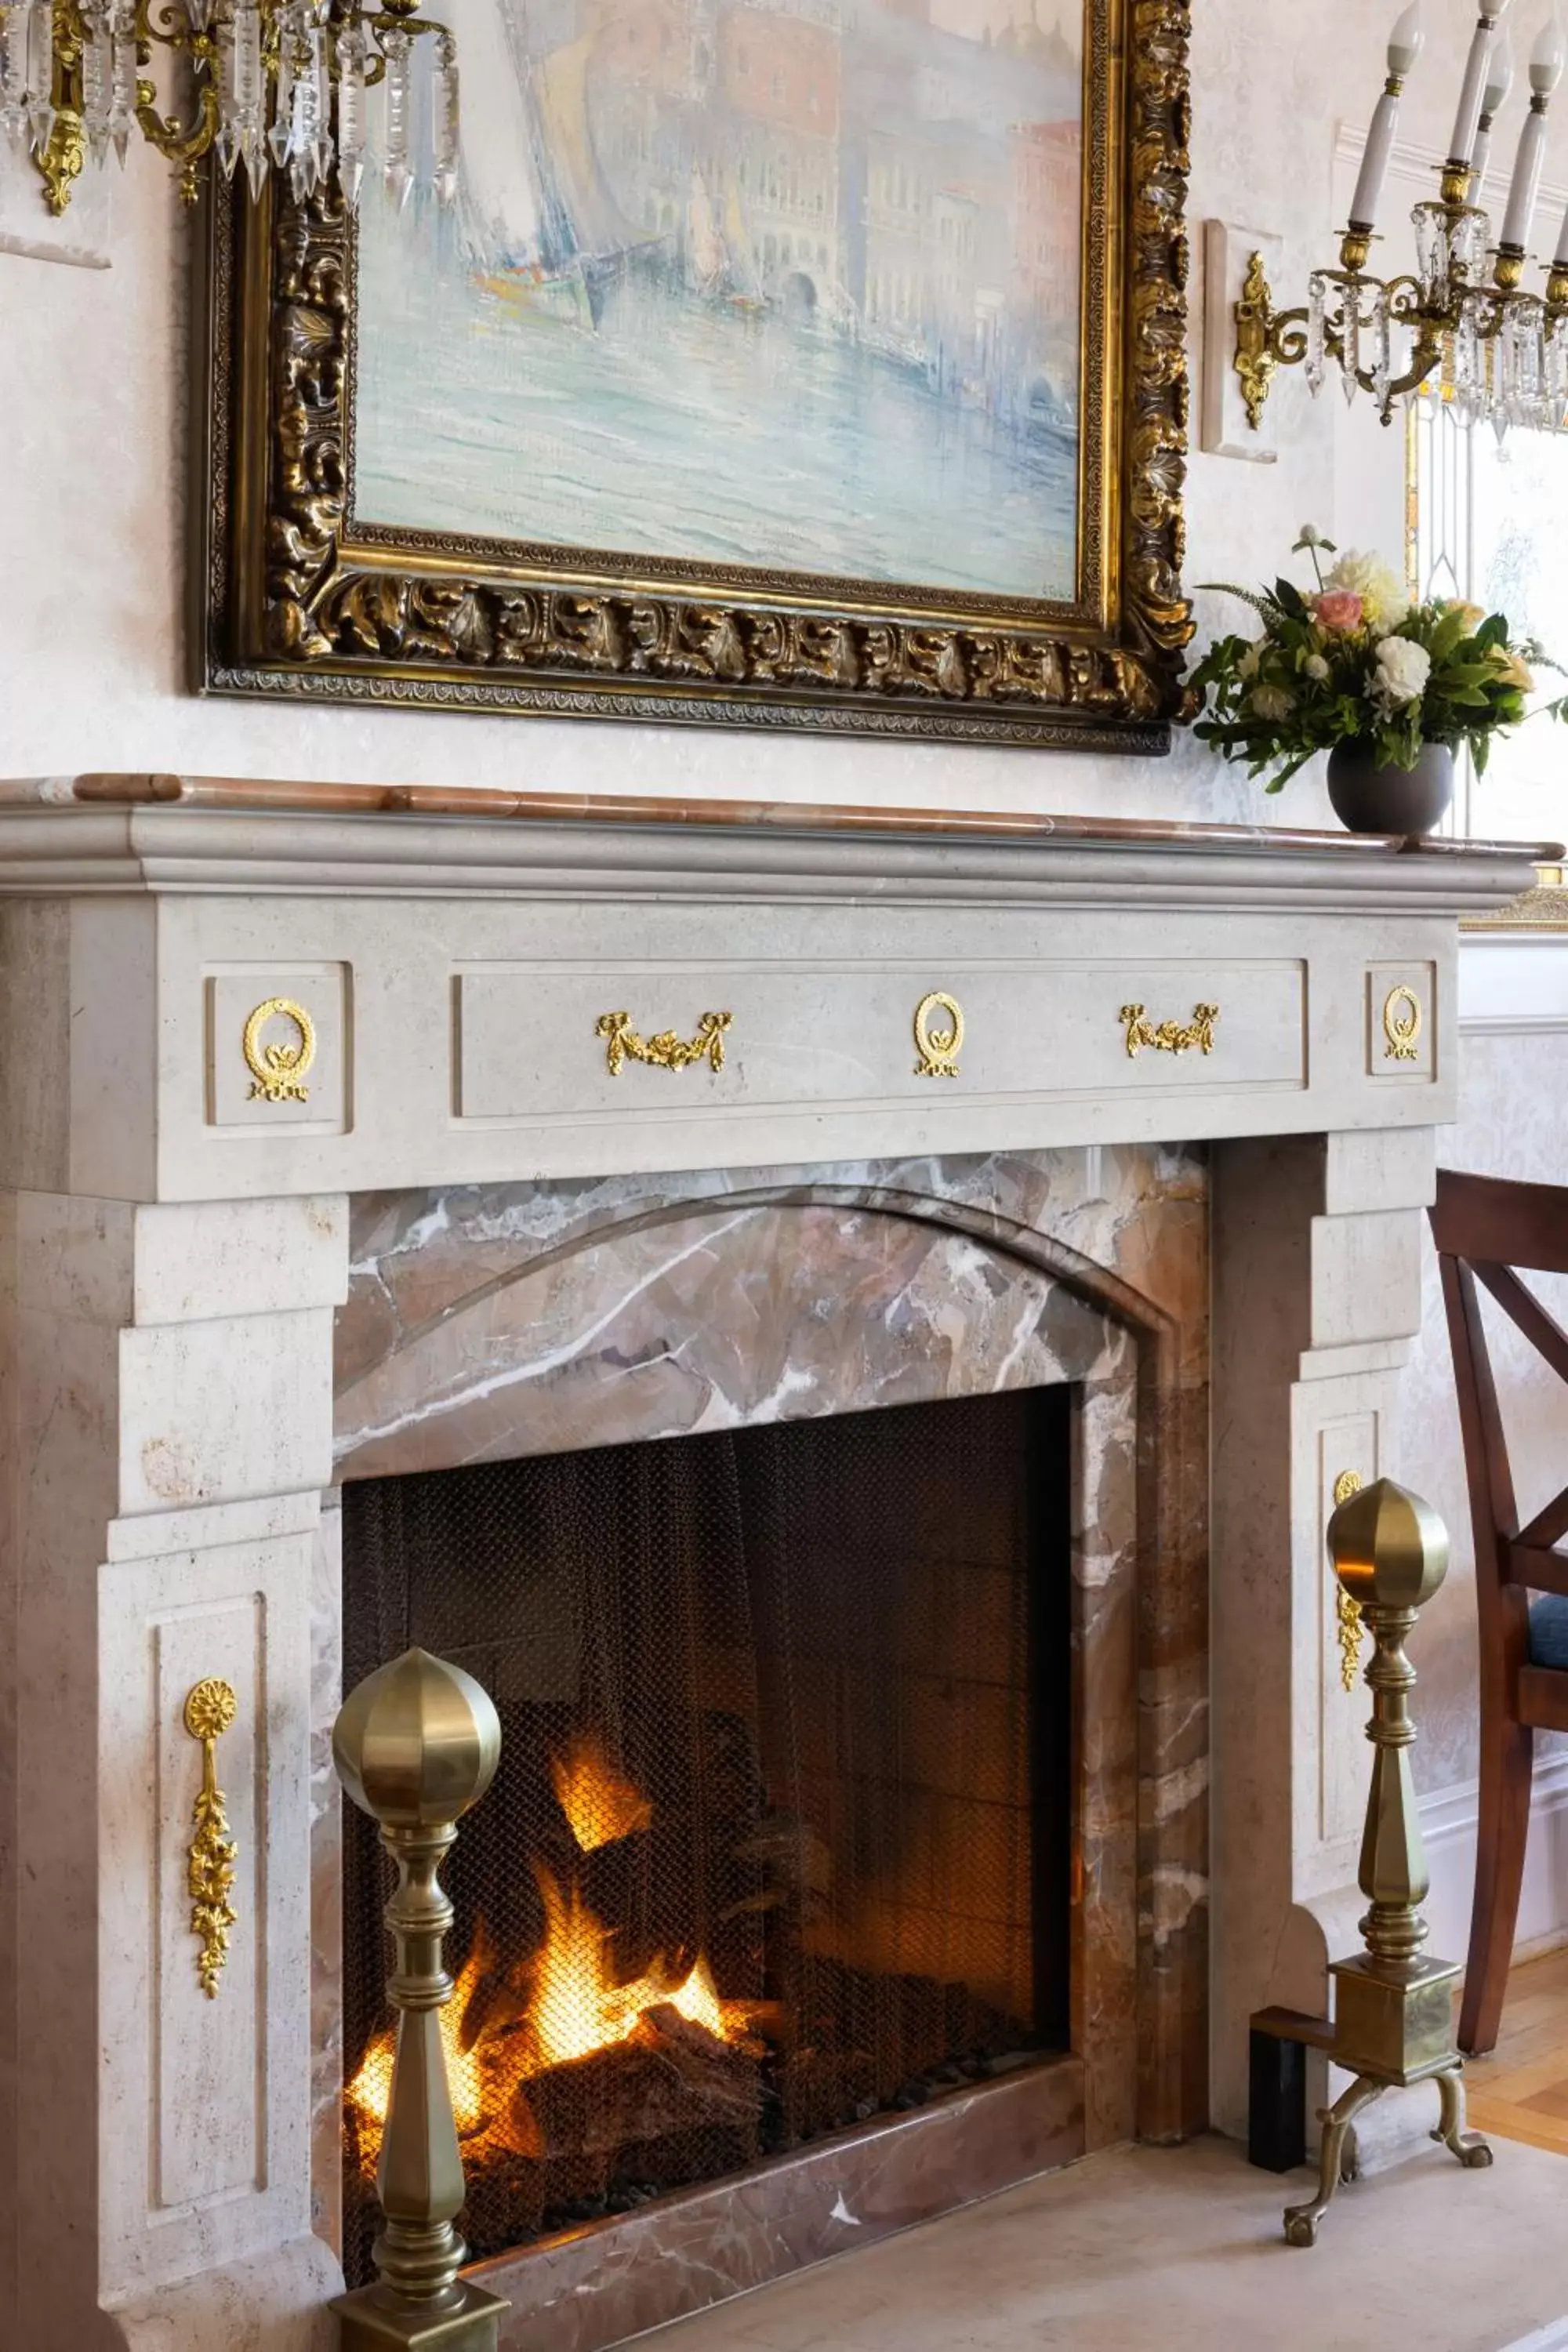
(676, 429)
(792, 284)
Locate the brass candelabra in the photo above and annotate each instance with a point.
(415, 1745)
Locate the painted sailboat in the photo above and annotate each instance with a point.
(516, 232)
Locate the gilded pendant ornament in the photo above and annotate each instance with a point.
(1347, 1609)
(1171, 1036)
(938, 1049)
(210, 1710)
(279, 1072)
(1402, 1021)
(667, 1051)
(1256, 362)
(304, 600)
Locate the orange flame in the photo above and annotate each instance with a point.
(578, 2008)
(598, 1801)
(574, 2005)
(370, 2089)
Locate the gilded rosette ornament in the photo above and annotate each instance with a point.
(210, 1710)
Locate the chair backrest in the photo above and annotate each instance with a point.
(1486, 1229)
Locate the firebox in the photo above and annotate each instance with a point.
(780, 1841)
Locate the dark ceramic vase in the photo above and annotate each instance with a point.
(1370, 798)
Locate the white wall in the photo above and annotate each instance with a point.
(93, 377)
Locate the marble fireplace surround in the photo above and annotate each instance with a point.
(490, 1322)
(175, 1253)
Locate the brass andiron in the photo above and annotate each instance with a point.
(415, 1745)
(1393, 2022)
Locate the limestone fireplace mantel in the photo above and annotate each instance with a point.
(174, 1235)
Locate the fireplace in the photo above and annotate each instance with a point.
(467, 1242)
(780, 1841)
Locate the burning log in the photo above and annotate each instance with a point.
(669, 2077)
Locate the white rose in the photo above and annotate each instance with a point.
(1272, 702)
(1316, 668)
(1402, 672)
(1385, 602)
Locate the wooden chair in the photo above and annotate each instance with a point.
(1486, 1230)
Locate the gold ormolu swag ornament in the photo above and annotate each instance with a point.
(417, 1745)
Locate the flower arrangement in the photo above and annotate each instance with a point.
(1354, 661)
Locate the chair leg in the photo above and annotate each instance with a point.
(1506, 1753)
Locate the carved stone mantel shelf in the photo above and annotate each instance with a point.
(228, 1005)
(458, 1038)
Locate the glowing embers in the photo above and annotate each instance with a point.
(665, 2051)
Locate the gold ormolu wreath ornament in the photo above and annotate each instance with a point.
(415, 1745)
(938, 1049)
(210, 1709)
(1402, 1021)
(279, 1072)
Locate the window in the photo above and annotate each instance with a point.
(1486, 524)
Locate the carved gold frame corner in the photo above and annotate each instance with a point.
(297, 598)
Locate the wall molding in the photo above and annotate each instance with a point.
(1449, 1821)
(1513, 983)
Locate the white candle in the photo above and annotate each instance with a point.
(1494, 97)
(1404, 46)
(1461, 146)
(1545, 73)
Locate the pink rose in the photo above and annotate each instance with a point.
(1340, 608)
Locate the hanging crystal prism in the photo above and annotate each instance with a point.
(249, 93)
(97, 79)
(352, 132)
(123, 79)
(1382, 350)
(318, 70)
(14, 27)
(1351, 335)
(444, 122)
(226, 146)
(41, 75)
(1317, 297)
(399, 177)
(282, 138)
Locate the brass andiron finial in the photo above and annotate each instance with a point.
(415, 1745)
(1394, 2022)
(210, 1709)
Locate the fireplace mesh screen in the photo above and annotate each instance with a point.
(779, 1837)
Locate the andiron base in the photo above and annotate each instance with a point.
(373, 2322)
(1301, 2221)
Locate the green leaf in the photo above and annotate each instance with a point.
(1289, 600)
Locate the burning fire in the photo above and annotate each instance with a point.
(574, 2005)
(600, 1804)
(577, 2006)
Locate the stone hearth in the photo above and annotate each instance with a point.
(460, 1220)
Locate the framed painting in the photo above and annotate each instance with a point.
(784, 362)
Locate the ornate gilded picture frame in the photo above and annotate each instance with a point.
(908, 457)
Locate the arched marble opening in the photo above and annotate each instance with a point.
(488, 1323)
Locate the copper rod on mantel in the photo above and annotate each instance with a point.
(237, 793)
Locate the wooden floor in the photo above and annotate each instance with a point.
(1521, 2090)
